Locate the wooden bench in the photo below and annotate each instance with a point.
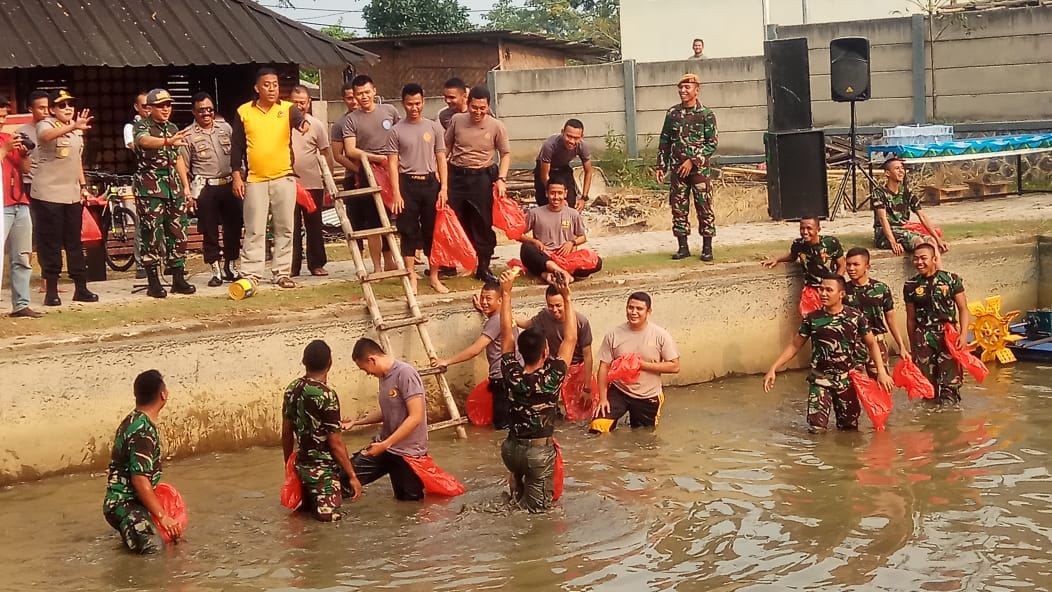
(993, 187)
(936, 194)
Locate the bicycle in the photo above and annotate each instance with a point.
(117, 223)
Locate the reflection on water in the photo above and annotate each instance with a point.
(730, 493)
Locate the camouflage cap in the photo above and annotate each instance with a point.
(691, 78)
(158, 96)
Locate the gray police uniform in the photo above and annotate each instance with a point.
(208, 155)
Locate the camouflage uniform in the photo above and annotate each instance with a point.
(159, 199)
(897, 206)
(834, 339)
(818, 259)
(873, 300)
(933, 304)
(689, 133)
(314, 412)
(136, 451)
(528, 452)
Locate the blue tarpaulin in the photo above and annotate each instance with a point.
(972, 146)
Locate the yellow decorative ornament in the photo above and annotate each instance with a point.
(991, 331)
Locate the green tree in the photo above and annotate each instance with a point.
(404, 17)
(593, 21)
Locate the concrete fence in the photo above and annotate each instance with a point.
(990, 67)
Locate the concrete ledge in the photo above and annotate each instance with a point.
(61, 402)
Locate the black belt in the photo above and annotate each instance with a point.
(532, 441)
(420, 178)
(467, 171)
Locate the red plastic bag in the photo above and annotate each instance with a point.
(576, 260)
(809, 301)
(304, 199)
(625, 369)
(560, 472)
(875, 400)
(964, 357)
(451, 246)
(908, 376)
(292, 488)
(480, 404)
(517, 264)
(435, 480)
(577, 408)
(383, 180)
(89, 229)
(508, 216)
(172, 503)
(920, 229)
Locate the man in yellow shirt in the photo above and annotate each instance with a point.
(262, 140)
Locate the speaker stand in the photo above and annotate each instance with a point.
(850, 175)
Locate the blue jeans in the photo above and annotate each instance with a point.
(18, 233)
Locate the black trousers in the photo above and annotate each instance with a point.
(362, 209)
(407, 486)
(416, 223)
(536, 260)
(564, 174)
(501, 402)
(57, 228)
(471, 197)
(218, 207)
(309, 224)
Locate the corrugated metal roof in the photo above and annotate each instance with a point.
(571, 48)
(118, 33)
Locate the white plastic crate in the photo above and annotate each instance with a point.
(918, 134)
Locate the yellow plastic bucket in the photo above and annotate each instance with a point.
(242, 288)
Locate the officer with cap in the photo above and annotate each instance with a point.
(688, 141)
(162, 194)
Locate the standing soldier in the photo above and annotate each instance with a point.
(417, 165)
(208, 146)
(471, 140)
(688, 141)
(308, 150)
(162, 195)
(935, 297)
(836, 332)
(553, 164)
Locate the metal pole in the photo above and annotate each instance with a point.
(853, 163)
(803, 11)
(766, 18)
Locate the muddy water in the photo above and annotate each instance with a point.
(730, 493)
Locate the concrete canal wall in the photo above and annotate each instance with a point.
(60, 403)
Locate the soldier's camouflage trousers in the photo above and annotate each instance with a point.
(162, 227)
(322, 490)
(836, 394)
(935, 361)
(132, 521)
(679, 199)
(533, 473)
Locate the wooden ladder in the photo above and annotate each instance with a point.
(416, 317)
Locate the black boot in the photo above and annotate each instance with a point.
(154, 288)
(217, 276)
(229, 273)
(684, 249)
(484, 274)
(51, 293)
(179, 283)
(82, 293)
(706, 248)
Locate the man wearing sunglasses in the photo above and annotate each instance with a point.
(162, 195)
(208, 147)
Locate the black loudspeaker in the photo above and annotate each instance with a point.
(788, 84)
(849, 69)
(796, 175)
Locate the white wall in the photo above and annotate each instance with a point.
(662, 30)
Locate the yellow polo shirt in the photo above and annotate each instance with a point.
(268, 136)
